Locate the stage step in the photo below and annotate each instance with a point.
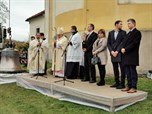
(84, 93)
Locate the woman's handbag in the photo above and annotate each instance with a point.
(95, 60)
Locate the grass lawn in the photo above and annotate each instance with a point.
(17, 100)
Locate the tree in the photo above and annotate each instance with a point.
(4, 11)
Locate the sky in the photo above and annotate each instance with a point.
(20, 11)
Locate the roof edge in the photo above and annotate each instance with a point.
(36, 15)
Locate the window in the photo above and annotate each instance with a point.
(134, 1)
(1, 34)
(37, 30)
(4, 33)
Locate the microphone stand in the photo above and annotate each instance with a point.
(38, 69)
(64, 78)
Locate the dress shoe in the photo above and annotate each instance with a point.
(101, 83)
(71, 78)
(120, 87)
(125, 89)
(115, 85)
(92, 81)
(56, 76)
(132, 90)
(35, 74)
(41, 74)
(44, 73)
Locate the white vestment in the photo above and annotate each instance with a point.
(74, 52)
(58, 57)
(33, 56)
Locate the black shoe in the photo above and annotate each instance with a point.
(120, 87)
(35, 74)
(71, 78)
(101, 83)
(115, 85)
(92, 81)
(45, 74)
(41, 74)
(84, 80)
(56, 76)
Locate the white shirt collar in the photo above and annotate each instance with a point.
(132, 29)
(90, 33)
(115, 30)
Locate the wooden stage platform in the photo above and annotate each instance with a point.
(84, 93)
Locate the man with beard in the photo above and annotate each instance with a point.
(115, 39)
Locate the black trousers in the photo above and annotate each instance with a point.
(81, 72)
(90, 72)
(45, 70)
(132, 76)
(72, 70)
(102, 72)
(116, 66)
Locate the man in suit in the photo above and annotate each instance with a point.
(90, 73)
(130, 52)
(115, 39)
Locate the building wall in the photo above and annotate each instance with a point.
(36, 23)
(145, 51)
(62, 6)
(103, 13)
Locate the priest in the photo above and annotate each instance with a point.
(58, 58)
(36, 65)
(74, 54)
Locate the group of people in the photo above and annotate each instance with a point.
(73, 57)
(124, 51)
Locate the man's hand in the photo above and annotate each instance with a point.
(94, 53)
(123, 50)
(70, 43)
(84, 49)
(116, 53)
(113, 53)
(59, 47)
(39, 44)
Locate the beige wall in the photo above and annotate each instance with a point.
(103, 13)
(106, 12)
(63, 6)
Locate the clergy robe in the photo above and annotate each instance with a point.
(58, 59)
(33, 56)
(74, 56)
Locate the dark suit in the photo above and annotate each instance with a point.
(131, 56)
(115, 45)
(89, 68)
